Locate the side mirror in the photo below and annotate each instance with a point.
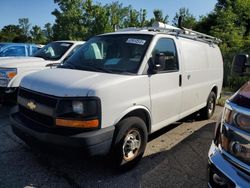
(51, 65)
(240, 63)
(159, 62)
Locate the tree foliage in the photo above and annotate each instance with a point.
(230, 21)
(188, 20)
(158, 17)
(37, 35)
(10, 32)
(69, 20)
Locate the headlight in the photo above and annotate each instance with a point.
(6, 75)
(228, 116)
(78, 107)
(234, 141)
(236, 119)
(242, 121)
(79, 113)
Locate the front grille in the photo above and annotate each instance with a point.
(36, 117)
(39, 121)
(41, 99)
(44, 99)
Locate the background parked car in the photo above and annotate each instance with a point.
(18, 49)
(13, 69)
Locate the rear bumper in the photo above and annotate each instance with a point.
(222, 173)
(92, 142)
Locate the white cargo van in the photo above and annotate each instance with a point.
(120, 87)
(13, 69)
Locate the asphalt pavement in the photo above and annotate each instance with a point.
(176, 156)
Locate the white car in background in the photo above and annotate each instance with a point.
(12, 70)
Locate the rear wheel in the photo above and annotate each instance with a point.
(208, 111)
(130, 142)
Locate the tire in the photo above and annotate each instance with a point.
(129, 143)
(208, 111)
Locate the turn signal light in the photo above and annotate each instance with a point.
(78, 123)
(11, 74)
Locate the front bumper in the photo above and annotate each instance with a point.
(8, 94)
(92, 142)
(222, 173)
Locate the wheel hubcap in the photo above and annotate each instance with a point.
(211, 106)
(131, 145)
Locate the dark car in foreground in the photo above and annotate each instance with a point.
(229, 154)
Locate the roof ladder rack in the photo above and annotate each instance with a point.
(172, 30)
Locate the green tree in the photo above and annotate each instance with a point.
(117, 14)
(69, 20)
(48, 32)
(188, 20)
(158, 17)
(132, 19)
(230, 21)
(10, 32)
(24, 26)
(37, 35)
(142, 19)
(96, 19)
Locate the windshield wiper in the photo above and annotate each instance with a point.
(94, 68)
(67, 66)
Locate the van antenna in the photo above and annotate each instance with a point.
(180, 19)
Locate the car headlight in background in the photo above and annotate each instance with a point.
(242, 121)
(236, 119)
(6, 74)
(235, 141)
(79, 113)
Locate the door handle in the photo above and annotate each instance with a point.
(180, 80)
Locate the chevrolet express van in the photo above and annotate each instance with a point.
(229, 154)
(118, 88)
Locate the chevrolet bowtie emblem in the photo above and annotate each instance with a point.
(31, 105)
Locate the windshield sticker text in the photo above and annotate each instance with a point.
(65, 44)
(136, 41)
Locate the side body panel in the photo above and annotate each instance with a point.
(203, 70)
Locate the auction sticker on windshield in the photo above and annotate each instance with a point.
(136, 41)
(65, 44)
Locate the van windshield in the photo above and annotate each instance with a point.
(118, 53)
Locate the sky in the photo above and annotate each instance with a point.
(39, 11)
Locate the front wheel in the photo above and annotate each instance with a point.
(208, 111)
(130, 142)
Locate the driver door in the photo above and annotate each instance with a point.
(165, 84)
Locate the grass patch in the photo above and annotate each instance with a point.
(225, 94)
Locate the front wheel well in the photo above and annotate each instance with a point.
(143, 114)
